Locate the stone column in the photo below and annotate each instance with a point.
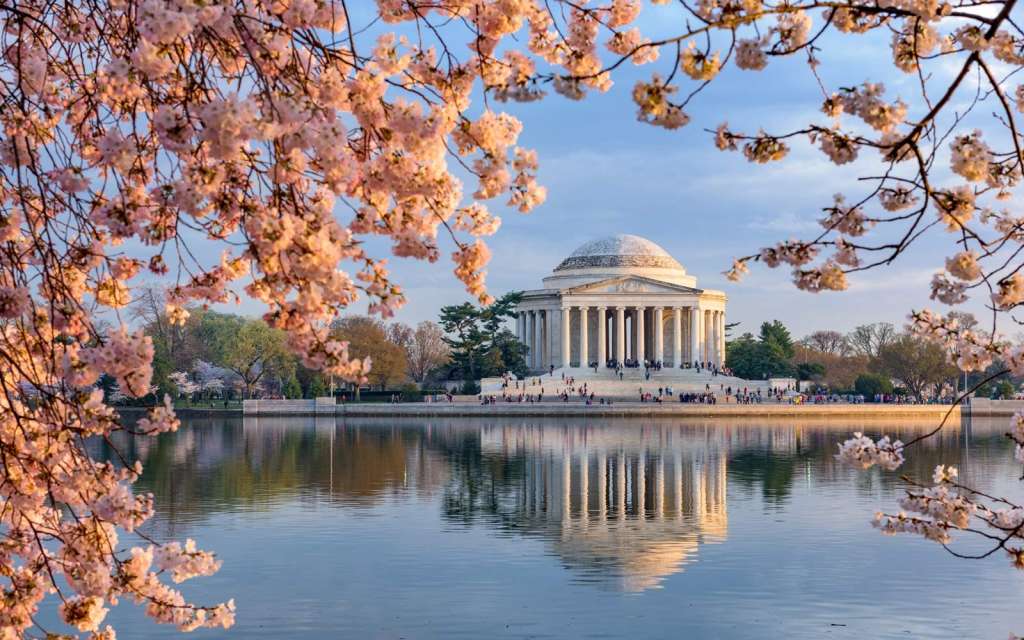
(659, 335)
(713, 336)
(677, 336)
(719, 351)
(631, 336)
(538, 340)
(566, 344)
(552, 319)
(620, 334)
(710, 336)
(531, 324)
(602, 337)
(712, 327)
(694, 334)
(704, 357)
(584, 355)
(640, 346)
(721, 336)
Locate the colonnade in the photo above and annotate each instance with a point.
(604, 485)
(626, 332)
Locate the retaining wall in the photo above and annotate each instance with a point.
(319, 406)
(983, 407)
(326, 406)
(651, 409)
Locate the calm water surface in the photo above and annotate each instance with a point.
(514, 528)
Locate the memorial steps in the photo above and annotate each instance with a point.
(606, 383)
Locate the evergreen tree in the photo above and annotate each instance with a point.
(292, 389)
(767, 356)
(317, 388)
(480, 345)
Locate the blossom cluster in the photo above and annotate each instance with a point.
(863, 452)
(940, 509)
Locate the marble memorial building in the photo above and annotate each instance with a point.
(621, 298)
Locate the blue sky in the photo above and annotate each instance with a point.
(607, 173)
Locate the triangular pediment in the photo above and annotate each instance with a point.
(632, 284)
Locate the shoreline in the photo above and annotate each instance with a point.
(560, 409)
(299, 408)
(647, 409)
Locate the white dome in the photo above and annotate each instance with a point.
(622, 250)
(616, 256)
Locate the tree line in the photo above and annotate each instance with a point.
(216, 355)
(871, 359)
(228, 356)
(221, 355)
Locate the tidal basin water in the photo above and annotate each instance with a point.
(519, 528)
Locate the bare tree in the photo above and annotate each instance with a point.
(827, 341)
(869, 339)
(400, 334)
(965, 319)
(426, 351)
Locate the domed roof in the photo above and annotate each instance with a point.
(622, 250)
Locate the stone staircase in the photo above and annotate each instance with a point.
(606, 383)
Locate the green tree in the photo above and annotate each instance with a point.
(871, 384)
(769, 355)
(1004, 390)
(921, 366)
(511, 354)
(741, 355)
(292, 388)
(250, 348)
(317, 388)
(810, 371)
(465, 338)
(775, 335)
(480, 345)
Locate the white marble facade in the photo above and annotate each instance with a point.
(621, 298)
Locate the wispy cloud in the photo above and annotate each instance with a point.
(785, 222)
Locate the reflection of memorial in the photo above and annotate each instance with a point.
(618, 507)
(623, 503)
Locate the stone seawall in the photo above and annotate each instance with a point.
(981, 407)
(322, 406)
(650, 409)
(319, 406)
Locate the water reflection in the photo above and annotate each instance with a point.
(621, 509)
(622, 506)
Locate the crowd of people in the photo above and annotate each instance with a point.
(567, 389)
(447, 396)
(657, 365)
(700, 398)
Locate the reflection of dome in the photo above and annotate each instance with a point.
(615, 256)
(635, 555)
(620, 250)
